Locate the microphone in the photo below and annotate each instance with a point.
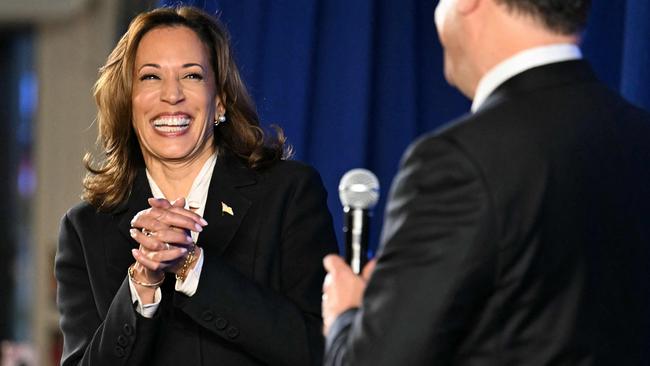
(359, 193)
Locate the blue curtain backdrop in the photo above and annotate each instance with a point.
(353, 82)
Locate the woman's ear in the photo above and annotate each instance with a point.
(220, 104)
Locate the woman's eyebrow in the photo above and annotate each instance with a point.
(150, 65)
(192, 64)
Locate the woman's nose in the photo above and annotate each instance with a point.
(172, 91)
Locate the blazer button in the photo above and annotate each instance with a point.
(127, 329)
(119, 351)
(207, 315)
(232, 332)
(122, 341)
(221, 323)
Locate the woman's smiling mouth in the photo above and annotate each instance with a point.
(172, 124)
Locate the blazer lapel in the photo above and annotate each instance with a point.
(118, 243)
(137, 202)
(226, 206)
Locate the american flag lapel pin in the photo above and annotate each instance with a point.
(225, 209)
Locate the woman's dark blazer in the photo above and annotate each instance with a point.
(258, 299)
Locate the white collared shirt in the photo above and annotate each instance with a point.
(519, 63)
(196, 200)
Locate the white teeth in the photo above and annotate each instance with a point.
(173, 121)
(171, 124)
(170, 129)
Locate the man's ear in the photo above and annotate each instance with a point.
(467, 6)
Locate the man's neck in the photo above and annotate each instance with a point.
(505, 34)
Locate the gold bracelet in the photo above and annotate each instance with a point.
(184, 270)
(144, 284)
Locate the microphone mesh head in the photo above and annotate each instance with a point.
(359, 188)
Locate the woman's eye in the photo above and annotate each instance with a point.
(194, 76)
(148, 77)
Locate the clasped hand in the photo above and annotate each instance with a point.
(164, 234)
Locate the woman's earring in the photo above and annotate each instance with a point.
(221, 119)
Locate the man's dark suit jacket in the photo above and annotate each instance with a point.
(258, 299)
(518, 235)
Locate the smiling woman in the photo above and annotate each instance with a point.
(183, 148)
(141, 65)
(175, 101)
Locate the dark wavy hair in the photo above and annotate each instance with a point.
(561, 16)
(107, 184)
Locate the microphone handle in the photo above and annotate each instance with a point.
(355, 229)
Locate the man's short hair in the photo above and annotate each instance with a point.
(561, 16)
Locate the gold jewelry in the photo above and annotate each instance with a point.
(184, 270)
(131, 273)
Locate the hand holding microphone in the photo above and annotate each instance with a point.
(359, 193)
(344, 286)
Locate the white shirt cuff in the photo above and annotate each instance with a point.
(148, 310)
(191, 283)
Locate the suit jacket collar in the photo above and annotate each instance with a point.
(226, 206)
(228, 176)
(542, 77)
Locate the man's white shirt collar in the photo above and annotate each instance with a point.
(519, 63)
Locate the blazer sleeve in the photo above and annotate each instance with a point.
(435, 269)
(275, 327)
(121, 338)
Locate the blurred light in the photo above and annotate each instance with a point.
(26, 178)
(27, 102)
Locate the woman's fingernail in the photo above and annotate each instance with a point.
(134, 252)
(188, 239)
(133, 233)
(198, 227)
(183, 250)
(203, 222)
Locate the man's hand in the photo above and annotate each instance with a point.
(342, 289)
